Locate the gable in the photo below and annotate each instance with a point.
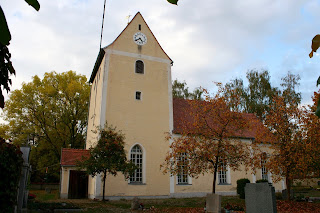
(124, 42)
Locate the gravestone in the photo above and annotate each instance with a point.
(285, 194)
(213, 203)
(22, 191)
(135, 204)
(260, 197)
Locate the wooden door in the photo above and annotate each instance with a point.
(78, 185)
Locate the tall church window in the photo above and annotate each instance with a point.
(136, 157)
(183, 169)
(139, 67)
(222, 174)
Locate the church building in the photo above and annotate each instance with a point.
(132, 90)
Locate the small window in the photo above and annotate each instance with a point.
(139, 26)
(138, 95)
(139, 67)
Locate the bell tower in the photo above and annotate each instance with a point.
(131, 90)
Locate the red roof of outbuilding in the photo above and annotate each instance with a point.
(69, 157)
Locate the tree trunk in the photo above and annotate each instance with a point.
(215, 175)
(104, 184)
(288, 185)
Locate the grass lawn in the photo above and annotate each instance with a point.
(305, 191)
(51, 201)
(48, 202)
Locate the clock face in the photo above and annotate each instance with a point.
(140, 38)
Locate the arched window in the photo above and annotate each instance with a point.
(136, 158)
(139, 67)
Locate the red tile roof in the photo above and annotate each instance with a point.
(182, 115)
(69, 157)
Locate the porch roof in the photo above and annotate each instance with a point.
(69, 157)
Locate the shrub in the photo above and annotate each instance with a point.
(10, 166)
(262, 181)
(241, 183)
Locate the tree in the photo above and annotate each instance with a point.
(6, 68)
(287, 142)
(289, 85)
(11, 162)
(259, 92)
(314, 47)
(235, 88)
(311, 138)
(256, 97)
(173, 1)
(180, 90)
(49, 113)
(108, 156)
(209, 131)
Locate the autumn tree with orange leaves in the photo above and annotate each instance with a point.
(290, 143)
(208, 138)
(311, 138)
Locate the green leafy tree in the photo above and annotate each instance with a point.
(50, 114)
(108, 156)
(6, 68)
(289, 84)
(173, 1)
(259, 92)
(258, 95)
(10, 166)
(180, 90)
(235, 88)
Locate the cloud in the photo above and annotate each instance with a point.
(209, 40)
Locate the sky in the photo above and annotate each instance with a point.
(208, 40)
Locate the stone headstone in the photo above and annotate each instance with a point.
(22, 190)
(260, 197)
(135, 204)
(213, 203)
(285, 194)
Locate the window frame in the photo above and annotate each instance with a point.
(136, 65)
(264, 170)
(138, 158)
(140, 95)
(183, 177)
(223, 174)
